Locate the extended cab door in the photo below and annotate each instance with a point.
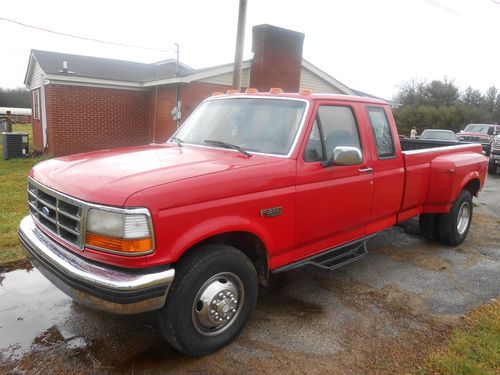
(333, 202)
(388, 167)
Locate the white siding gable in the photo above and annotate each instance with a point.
(309, 80)
(36, 77)
(227, 78)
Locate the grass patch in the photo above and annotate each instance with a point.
(13, 200)
(473, 349)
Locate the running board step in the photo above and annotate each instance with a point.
(333, 258)
(339, 258)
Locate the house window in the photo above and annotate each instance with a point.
(36, 105)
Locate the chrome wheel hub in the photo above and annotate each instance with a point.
(463, 218)
(217, 304)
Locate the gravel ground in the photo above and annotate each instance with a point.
(378, 315)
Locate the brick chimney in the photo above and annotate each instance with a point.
(277, 58)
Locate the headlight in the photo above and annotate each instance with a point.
(123, 232)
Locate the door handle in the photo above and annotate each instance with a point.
(365, 170)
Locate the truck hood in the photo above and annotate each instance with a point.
(109, 177)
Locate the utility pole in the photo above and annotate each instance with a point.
(240, 36)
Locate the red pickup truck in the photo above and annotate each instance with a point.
(251, 184)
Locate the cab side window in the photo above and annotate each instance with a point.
(381, 132)
(314, 149)
(334, 126)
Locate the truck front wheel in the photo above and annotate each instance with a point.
(454, 225)
(211, 299)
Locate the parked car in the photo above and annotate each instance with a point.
(439, 135)
(250, 185)
(480, 133)
(494, 160)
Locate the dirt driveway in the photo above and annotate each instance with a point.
(378, 315)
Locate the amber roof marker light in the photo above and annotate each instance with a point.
(276, 90)
(251, 90)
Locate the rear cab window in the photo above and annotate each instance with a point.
(382, 134)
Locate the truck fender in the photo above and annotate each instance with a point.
(450, 174)
(468, 179)
(216, 226)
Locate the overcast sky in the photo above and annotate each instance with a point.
(371, 46)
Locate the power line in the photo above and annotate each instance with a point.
(83, 37)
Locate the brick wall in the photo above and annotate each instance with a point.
(191, 95)
(81, 119)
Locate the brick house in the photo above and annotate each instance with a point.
(83, 103)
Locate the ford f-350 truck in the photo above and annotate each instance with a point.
(251, 184)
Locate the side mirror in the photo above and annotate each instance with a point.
(344, 156)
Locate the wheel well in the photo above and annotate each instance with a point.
(250, 245)
(473, 186)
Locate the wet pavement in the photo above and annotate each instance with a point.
(377, 315)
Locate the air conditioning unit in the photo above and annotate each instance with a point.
(15, 145)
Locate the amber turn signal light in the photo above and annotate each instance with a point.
(130, 246)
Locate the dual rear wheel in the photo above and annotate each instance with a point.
(450, 228)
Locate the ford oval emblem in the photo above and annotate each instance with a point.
(45, 211)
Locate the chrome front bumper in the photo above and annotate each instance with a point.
(92, 284)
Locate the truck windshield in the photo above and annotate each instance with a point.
(262, 125)
(477, 128)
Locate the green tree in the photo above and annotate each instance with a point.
(492, 99)
(440, 104)
(472, 97)
(411, 93)
(19, 97)
(442, 93)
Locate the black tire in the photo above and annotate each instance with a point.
(492, 168)
(449, 231)
(181, 320)
(429, 226)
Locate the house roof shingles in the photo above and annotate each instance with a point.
(110, 69)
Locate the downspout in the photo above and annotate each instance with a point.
(177, 93)
(44, 115)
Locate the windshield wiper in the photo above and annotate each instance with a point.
(176, 140)
(228, 145)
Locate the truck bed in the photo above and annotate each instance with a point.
(408, 144)
(435, 175)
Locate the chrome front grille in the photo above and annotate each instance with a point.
(58, 213)
(471, 138)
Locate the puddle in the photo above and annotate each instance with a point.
(30, 305)
(38, 321)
